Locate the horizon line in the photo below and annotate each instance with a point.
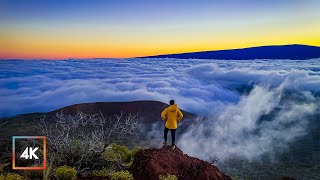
(80, 58)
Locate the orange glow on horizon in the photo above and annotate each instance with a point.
(64, 44)
(122, 53)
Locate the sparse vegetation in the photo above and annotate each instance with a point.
(134, 151)
(2, 166)
(119, 157)
(65, 173)
(213, 159)
(118, 152)
(12, 176)
(80, 140)
(37, 174)
(124, 152)
(168, 177)
(48, 172)
(102, 172)
(122, 175)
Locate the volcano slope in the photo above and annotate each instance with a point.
(148, 116)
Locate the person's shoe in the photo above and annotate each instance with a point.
(165, 143)
(173, 147)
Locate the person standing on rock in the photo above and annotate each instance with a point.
(171, 115)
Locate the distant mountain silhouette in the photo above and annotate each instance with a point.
(294, 52)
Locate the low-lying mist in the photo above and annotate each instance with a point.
(261, 122)
(272, 111)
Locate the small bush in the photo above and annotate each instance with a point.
(213, 159)
(127, 165)
(121, 175)
(110, 155)
(120, 152)
(124, 152)
(65, 173)
(168, 177)
(134, 151)
(102, 172)
(12, 176)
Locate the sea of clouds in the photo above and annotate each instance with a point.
(234, 95)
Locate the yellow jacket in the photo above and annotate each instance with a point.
(172, 115)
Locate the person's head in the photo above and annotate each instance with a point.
(171, 102)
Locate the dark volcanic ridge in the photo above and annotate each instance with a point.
(148, 113)
(293, 52)
(149, 110)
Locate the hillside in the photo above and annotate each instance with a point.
(148, 110)
(294, 52)
(148, 113)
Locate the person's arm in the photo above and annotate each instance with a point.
(179, 115)
(164, 115)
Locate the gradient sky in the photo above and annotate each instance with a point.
(40, 29)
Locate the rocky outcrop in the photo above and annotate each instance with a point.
(151, 163)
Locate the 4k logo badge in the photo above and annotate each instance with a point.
(29, 152)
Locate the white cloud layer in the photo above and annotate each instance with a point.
(233, 94)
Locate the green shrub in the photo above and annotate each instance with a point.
(134, 151)
(123, 151)
(65, 173)
(121, 175)
(127, 165)
(12, 176)
(168, 177)
(110, 155)
(102, 172)
(119, 152)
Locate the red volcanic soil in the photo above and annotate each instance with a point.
(151, 163)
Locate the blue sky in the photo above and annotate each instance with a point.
(81, 29)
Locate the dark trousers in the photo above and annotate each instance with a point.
(173, 134)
